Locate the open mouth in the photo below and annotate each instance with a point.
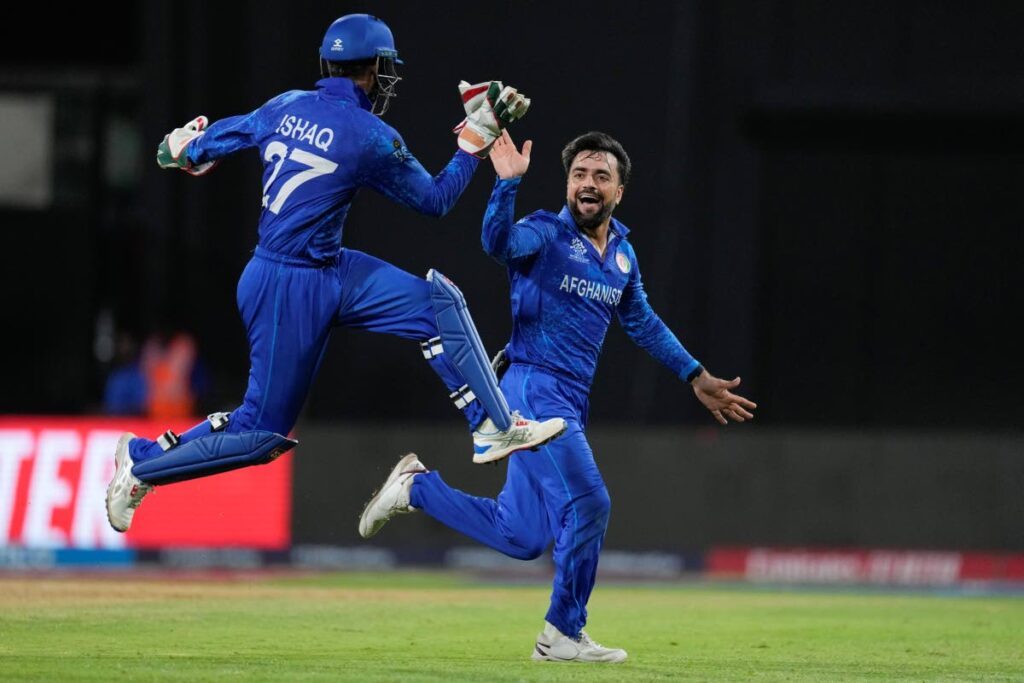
(588, 199)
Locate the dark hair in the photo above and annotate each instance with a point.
(597, 142)
(355, 69)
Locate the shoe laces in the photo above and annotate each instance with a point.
(587, 640)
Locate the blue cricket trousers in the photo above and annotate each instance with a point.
(289, 306)
(554, 494)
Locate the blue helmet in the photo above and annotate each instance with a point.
(358, 37)
(364, 38)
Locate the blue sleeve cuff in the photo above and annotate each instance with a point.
(467, 158)
(192, 150)
(691, 371)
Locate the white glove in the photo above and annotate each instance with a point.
(490, 107)
(170, 153)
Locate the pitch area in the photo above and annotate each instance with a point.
(443, 627)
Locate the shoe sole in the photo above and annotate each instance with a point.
(395, 473)
(122, 449)
(487, 458)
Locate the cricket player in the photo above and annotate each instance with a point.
(570, 273)
(318, 149)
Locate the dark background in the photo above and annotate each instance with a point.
(827, 196)
(827, 200)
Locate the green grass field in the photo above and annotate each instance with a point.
(440, 627)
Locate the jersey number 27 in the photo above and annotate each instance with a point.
(316, 167)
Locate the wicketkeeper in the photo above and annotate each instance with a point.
(318, 149)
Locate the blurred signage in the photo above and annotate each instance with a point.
(27, 164)
(888, 567)
(54, 473)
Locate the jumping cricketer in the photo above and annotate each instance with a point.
(318, 149)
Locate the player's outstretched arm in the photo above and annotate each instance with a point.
(502, 237)
(716, 395)
(392, 170)
(650, 333)
(198, 146)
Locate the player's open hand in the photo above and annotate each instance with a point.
(716, 395)
(508, 161)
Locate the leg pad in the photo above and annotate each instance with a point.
(465, 351)
(212, 454)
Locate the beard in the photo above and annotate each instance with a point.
(589, 223)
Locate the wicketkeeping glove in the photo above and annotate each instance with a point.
(170, 153)
(473, 95)
(490, 107)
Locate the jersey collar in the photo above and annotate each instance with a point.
(337, 88)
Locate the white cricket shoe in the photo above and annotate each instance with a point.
(554, 646)
(392, 498)
(491, 444)
(126, 491)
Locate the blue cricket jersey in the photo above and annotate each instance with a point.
(318, 148)
(564, 294)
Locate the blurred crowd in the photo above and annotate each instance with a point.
(162, 378)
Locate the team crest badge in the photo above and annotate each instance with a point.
(622, 261)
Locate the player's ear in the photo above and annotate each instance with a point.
(618, 194)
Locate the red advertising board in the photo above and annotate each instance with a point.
(54, 473)
(889, 567)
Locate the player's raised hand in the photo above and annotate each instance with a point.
(508, 161)
(716, 395)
